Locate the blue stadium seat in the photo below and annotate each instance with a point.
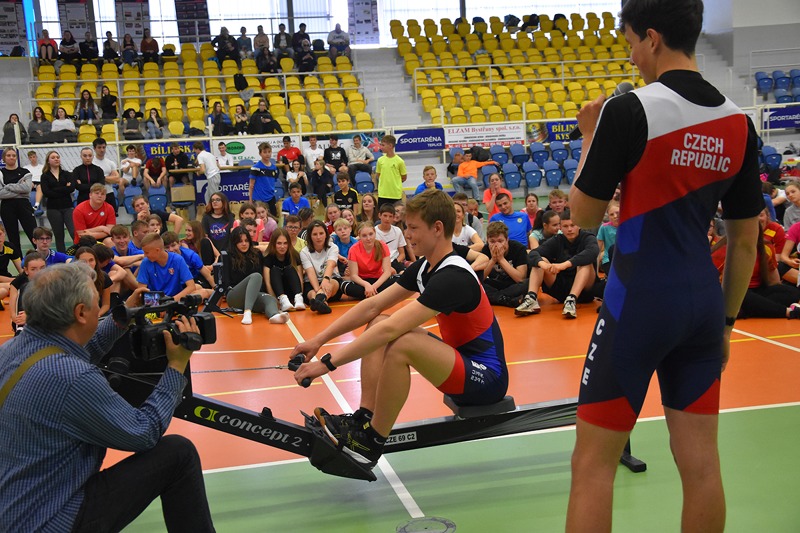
(553, 173)
(364, 183)
(796, 92)
(781, 80)
(498, 154)
(453, 151)
(157, 196)
(772, 158)
(539, 153)
(512, 176)
(570, 168)
(533, 174)
(279, 192)
(783, 96)
(127, 200)
(487, 171)
(559, 152)
(795, 75)
(518, 154)
(575, 148)
(763, 83)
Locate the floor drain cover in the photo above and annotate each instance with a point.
(428, 524)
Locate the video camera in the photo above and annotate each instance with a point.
(147, 339)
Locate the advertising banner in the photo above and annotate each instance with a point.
(420, 139)
(786, 117)
(486, 135)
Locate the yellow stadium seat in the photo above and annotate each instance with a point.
(277, 106)
(476, 114)
(466, 97)
(195, 113)
(576, 92)
(514, 113)
(521, 94)
(457, 116)
(551, 110)
(540, 95)
(336, 102)
(364, 121)
(174, 114)
(287, 64)
(485, 97)
(592, 90)
(344, 121)
(324, 126)
(557, 93)
(570, 109)
(429, 100)
(437, 116)
(448, 99)
(109, 132)
(496, 114)
(504, 98)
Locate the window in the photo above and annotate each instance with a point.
(163, 23)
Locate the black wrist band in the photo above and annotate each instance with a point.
(730, 320)
(326, 360)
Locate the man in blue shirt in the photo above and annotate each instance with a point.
(201, 273)
(295, 202)
(519, 225)
(164, 271)
(263, 176)
(52, 445)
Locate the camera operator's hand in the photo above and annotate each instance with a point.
(177, 355)
(135, 299)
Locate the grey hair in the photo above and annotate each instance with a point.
(50, 298)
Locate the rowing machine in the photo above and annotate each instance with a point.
(467, 423)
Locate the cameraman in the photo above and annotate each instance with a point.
(58, 417)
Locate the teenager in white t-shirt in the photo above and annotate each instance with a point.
(312, 153)
(392, 236)
(35, 169)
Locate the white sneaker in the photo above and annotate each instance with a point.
(299, 304)
(279, 318)
(247, 317)
(286, 305)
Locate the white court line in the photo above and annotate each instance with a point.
(537, 432)
(768, 341)
(391, 476)
(288, 348)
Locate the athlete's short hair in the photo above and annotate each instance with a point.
(433, 205)
(495, 229)
(678, 21)
(557, 193)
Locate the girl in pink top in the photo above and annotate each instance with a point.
(489, 195)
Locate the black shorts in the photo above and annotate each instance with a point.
(562, 286)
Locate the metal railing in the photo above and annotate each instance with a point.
(778, 58)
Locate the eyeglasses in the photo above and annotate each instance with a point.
(44, 239)
(292, 228)
(216, 200)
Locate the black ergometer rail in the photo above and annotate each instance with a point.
(470, 423)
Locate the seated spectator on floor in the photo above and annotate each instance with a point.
(35, 263)
(282, 272)
(551, 226)
(149, 48)
(227, 47)
(777, 198)
(218, 220)
(70, 50)
(261, 121)
(164, 271)
(295, 202)
(557, 201)
(94, 217)
(359, 158)
(786, 247)
(305, 60)
(369, 265)
(518, 223)
(492, 192)
(201, 273)
(42, 238)
(339, 42)
(332, 214)
(506, 272)
(533, 210)
(102, 282)
(141, 206)
(344, 240)
(298, 38)
(766, 296)
(473, 219)
(463, 234)
(248, 211)
(197, 242)
(393, 236)
(563, 266)
(792, 214)
(607, 237)
(319, 258)
(292, 227)
(139, 229)
(126, 254)
(282, 43)
(270, 222)
(47, 47)
(245, 44)
(90, 52)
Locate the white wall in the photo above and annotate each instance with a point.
(748, 13)
(718, 16)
